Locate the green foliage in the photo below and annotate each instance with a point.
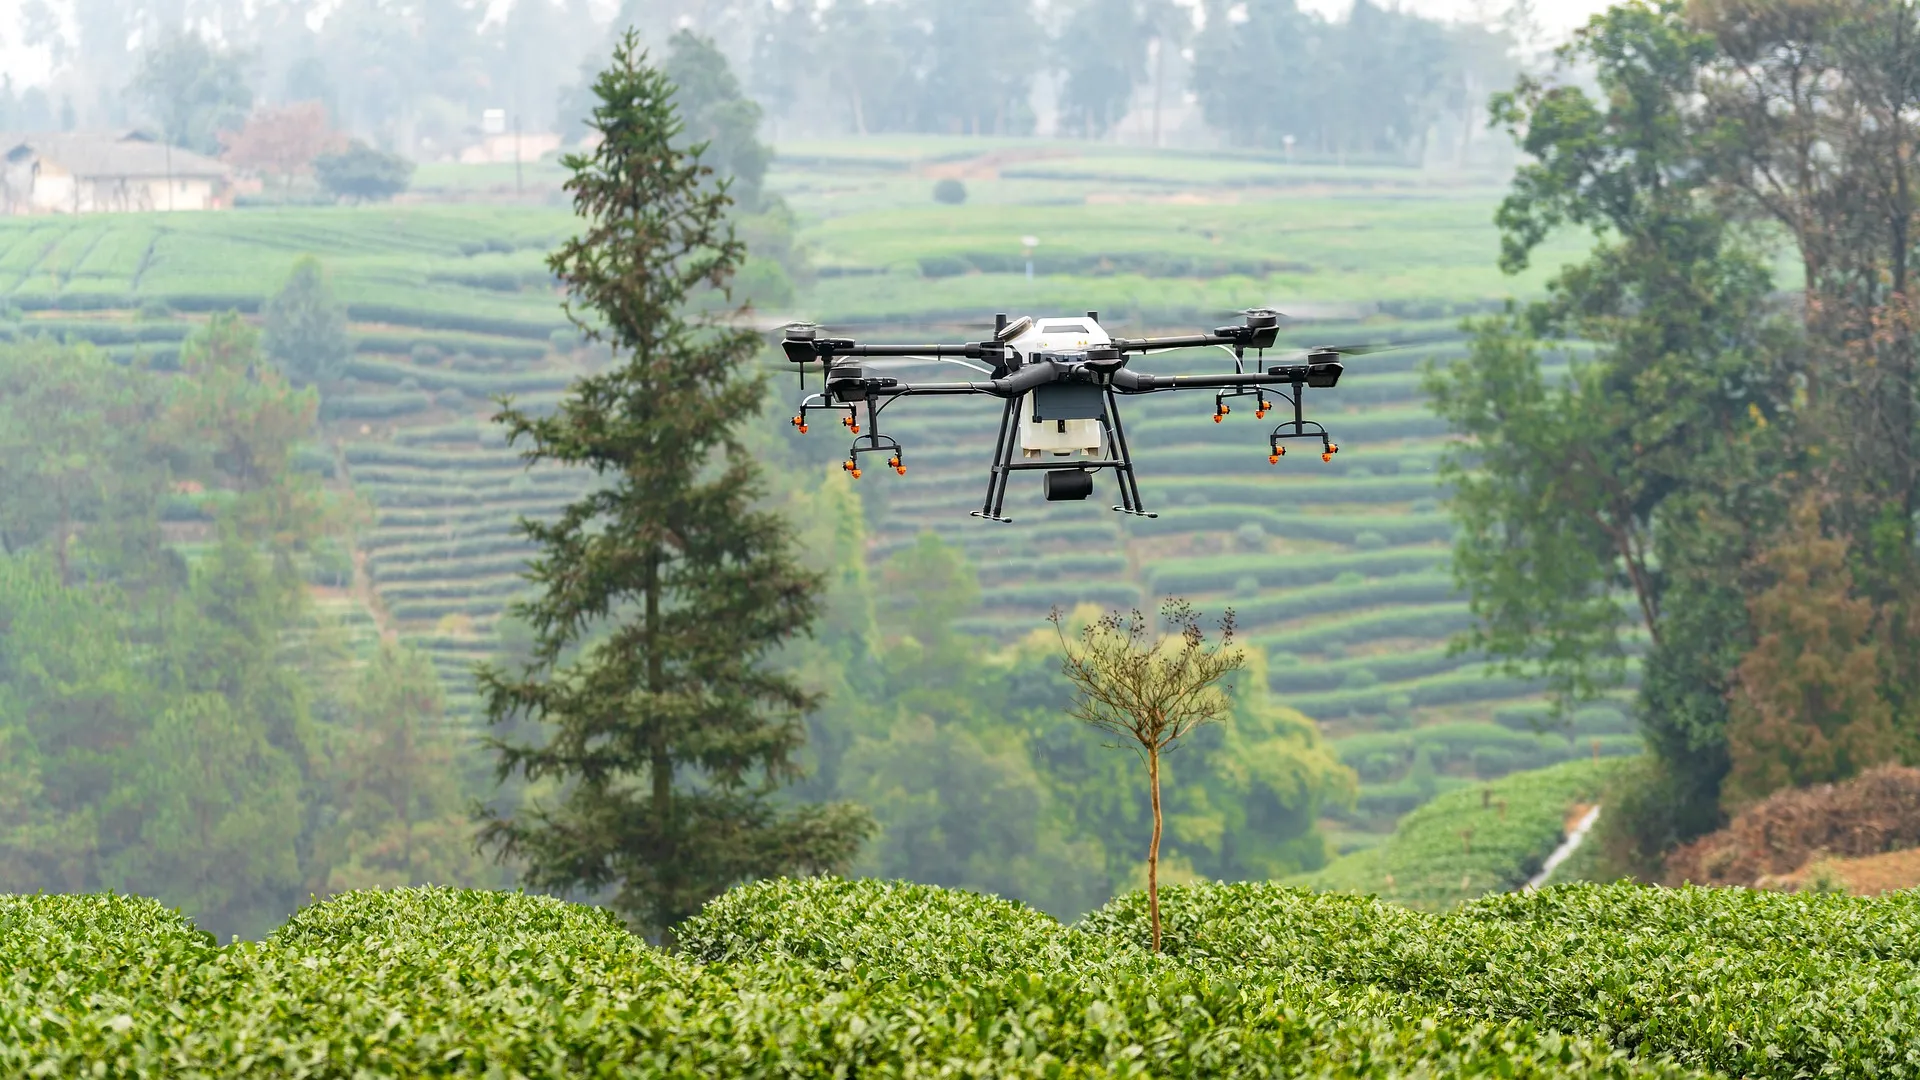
(363, 174)
(305, 329)
(1103, 49)
(948, 191)
(717, 116)
(394, 771)
(1641, 481)
(1511, 823)
(824, 977)
(661, 592)
(82, 460)
(168, 710)
(195, 90)
(1369, 85)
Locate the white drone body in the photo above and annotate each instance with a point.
(1060, 438)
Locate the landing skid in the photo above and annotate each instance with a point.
(1119, 458)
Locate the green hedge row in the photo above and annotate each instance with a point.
(388, 373)
(1486, 749)
(1051, 567)
(451, 568)
(1044, 595)
(433, 610)
(375, 406)
(823, 977)
(1598, 719)
(405, 522)
(1335, 598)
(448, 345)
(102, 332)
(426, 458)
(1390, 529)
(468, 588)
(448, 495)
(412, 543)
(427, 318)
(1366, 671)
(1433, 621)
(1450, 688)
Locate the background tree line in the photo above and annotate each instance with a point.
(1726, 489)
(1377, 84)
(175, 717)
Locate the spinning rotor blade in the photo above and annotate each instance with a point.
(1367, 347)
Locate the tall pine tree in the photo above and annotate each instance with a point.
(661, 593)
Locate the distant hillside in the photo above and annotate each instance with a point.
(1338, 569)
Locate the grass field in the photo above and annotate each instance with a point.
(1338, 569)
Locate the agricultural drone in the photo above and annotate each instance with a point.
(1061, 380)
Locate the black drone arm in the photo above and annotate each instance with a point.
(807, 350)
(1318, 375)
(1160, 344)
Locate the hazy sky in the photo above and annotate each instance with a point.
(1556, 18)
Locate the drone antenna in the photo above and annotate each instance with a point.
(1093, 316)
(999, 322)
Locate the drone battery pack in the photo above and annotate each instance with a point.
(1062, 418)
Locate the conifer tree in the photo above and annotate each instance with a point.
(660, 594)
(306, 328)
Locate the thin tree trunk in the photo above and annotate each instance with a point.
(662, 765)
(1153, 849)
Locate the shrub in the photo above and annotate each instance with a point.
(362, 173)
(823, 977)
(1359, 679)
(1877, 811)
(949, 191)
(1369, 540)
(942, 266)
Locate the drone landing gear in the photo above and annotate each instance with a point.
(1069, 480)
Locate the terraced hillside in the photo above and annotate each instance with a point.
(448, 307)
(1337, 568)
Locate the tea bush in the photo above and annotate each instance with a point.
(825, 977)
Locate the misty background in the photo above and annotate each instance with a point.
(1361, 83)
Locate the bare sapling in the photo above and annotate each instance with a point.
(1150, 690)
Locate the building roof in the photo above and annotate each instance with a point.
(110, 154)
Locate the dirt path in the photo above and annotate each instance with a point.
(1567, 847)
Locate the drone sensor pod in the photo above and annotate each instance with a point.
(1068, 485)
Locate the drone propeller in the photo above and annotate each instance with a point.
(1367, 347)
(803, 325)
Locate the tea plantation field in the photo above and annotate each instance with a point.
(824, 977)
(1337, 569)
